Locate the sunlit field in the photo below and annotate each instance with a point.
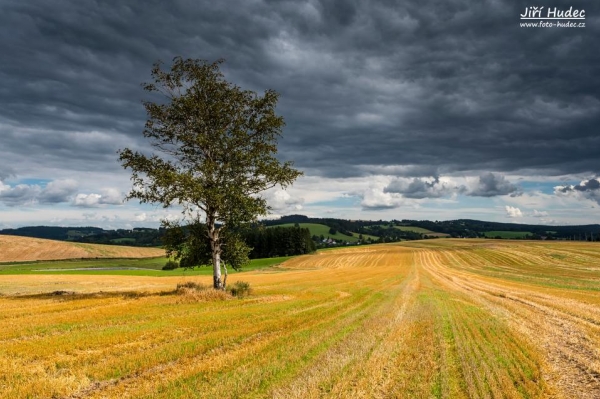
(424, 319)
(19, 249)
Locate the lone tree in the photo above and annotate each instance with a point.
(216, 147)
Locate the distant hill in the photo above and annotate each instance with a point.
(20, 249)
(417, 229)
(317, 229)
(345, 230)
(52, 232)
(421, 230)
(137, 237)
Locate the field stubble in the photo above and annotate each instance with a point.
(19, 249)
(441, 319)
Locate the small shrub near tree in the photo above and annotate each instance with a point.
(171, 265)
(240, 289)
(195, 292)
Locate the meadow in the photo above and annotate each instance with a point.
(421, 230)
(507, 234)
(323, 230)
(444, 318)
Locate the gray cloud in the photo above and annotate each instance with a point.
(491, 185)
(21, 194)
(419, 188)
(539, 214)
(58, 191)
(416, 89)
(589, 189)
(6, 171)
(54, 192)
(488, 185)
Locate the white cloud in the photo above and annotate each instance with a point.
(140, 217)
(539, 214)
(108, 196)
(513, 212)
(87, 200)
(281, 201)
(112, 196)
(375, 198)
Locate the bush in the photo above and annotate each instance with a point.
(240, 289)
(171, 265)
(191, 286)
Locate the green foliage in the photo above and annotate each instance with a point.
(507, 234)
(240, 289)
(217, 146)
(235, 251)
(171, 265)
(322, 231)
(279, 241)
(191, 246)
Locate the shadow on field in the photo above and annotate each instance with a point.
(189, 290)
(72, 295)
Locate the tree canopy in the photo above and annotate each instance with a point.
(215, 154)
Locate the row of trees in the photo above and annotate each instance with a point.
(279, 241)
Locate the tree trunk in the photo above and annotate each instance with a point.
(215, 246)
(217, 283)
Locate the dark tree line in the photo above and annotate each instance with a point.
(278, 241)
(139, 237)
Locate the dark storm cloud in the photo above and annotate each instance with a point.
(409, 89)
(459, 86)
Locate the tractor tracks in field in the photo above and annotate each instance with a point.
(566, 332)
(359, 365)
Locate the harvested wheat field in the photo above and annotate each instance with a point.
(429, 319)
(20, 249)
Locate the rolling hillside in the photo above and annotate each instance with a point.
(320, 229)
(507, 234)
(20, 249)
(421, 230)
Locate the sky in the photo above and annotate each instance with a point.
(434, 110)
